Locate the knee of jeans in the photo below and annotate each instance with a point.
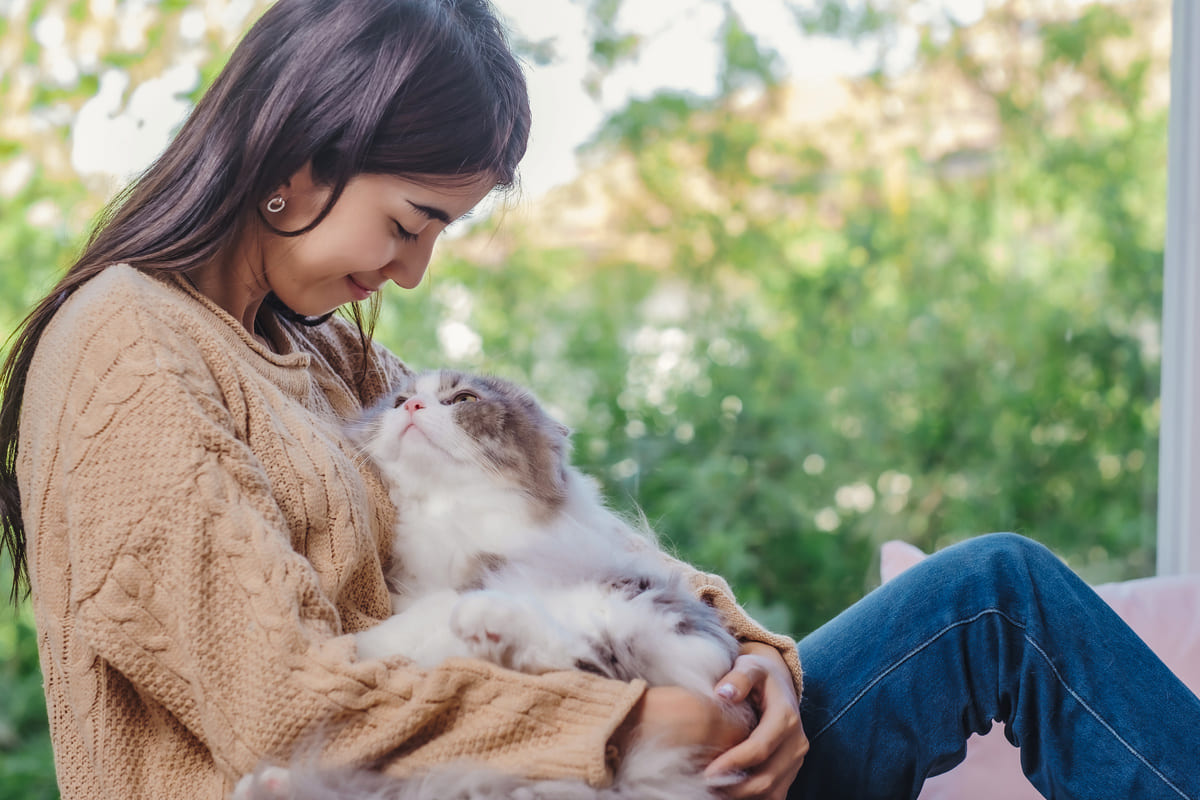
(1013, 555)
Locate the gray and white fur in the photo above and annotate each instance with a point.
(505, 552)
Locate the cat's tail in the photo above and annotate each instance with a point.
(648, 772)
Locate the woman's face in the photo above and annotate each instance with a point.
(381, 229)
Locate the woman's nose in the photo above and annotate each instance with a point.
(407, 270)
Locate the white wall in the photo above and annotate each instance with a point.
(1179, 442)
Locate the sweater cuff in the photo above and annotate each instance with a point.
(590, 716)
(713, 590)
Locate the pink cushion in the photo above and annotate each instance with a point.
(1162, 610)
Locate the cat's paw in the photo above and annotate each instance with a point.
(268, 783)
(503, 629)
(484, 621)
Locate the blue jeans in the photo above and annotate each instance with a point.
(995, 628)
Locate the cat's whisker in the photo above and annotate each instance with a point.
(360, 453)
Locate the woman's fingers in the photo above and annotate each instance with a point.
(769, 783)
(773, 753)
(768, 757)
(779, 729)
(774, 773)
(746, 674)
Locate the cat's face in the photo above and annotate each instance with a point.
(455, 429)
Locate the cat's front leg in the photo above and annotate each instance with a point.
(267, 783)
(512, 632)
(420, 633)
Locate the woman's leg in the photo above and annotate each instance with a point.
(995, 628)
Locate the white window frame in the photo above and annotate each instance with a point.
(1179, 434)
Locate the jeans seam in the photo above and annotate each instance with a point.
(1095, 715)
(1040, 651)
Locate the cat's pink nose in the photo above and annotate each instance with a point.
(413, 404)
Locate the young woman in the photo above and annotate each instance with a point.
(201, 542)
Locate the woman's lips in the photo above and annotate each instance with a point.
(360, 292)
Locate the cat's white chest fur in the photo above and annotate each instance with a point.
(442, 535)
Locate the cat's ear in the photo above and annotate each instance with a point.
(563, 430)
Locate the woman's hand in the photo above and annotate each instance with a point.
(772, 754)
(680, 717)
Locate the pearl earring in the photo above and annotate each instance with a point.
(276, 204)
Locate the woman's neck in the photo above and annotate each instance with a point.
(233, 284)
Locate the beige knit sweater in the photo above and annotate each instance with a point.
(202, 541)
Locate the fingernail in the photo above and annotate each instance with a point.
(727, 691)
(723, 778)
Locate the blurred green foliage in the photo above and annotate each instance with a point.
(26, 760)
(785, 355)
(786, 343)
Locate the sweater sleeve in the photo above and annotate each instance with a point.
(714, 590)
(184, 579)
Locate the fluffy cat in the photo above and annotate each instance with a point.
(505, 552)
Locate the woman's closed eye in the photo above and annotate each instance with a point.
(403, 232)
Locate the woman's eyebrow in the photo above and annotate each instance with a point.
(431, 212)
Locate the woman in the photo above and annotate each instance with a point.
(201, 542)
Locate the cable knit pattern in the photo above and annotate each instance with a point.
(202, 542)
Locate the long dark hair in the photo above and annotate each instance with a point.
(423, 89)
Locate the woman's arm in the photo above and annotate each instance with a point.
(145, 498)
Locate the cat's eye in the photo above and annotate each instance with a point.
(464, 397)
(401, 399)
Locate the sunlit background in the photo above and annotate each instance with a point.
(802, 276)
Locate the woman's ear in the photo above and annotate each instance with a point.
(300, 182)
(297, 202)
